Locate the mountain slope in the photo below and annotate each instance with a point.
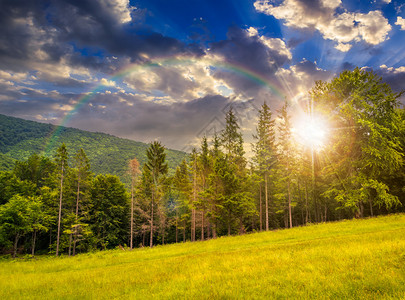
(20, 138)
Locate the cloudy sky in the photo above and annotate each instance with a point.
(169, 70)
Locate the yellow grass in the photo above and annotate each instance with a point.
(357, 259)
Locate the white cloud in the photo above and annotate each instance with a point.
(271, 43)
(182, 81)
(373, 27)
(120, 9)
(106, 82)
(14, 76)
(344, 28)
(400, 22)
(392, 69)
(343, 47)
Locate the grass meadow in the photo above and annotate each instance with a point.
(354, 259)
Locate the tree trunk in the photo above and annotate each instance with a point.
(176, 231)
(229, 223)
(193, 224)
(143, 236)
(151, 226)
(184, 231)
(70, 244)
(208, 229)
(17, 237)
(132, 214)
(371, 208)
(194, 200)
(60, 210)
(361, 209)
(306, 204)
(202, 225)
(260, 207)
(289, 204)
(162, 226)
(77, 213)
(34, 237)
(267, 202)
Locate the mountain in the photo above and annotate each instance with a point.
(19, 139)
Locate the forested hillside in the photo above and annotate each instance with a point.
(19, 139)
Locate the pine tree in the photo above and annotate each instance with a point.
(184, 189)
(265, 152)
(157, 166)
(238, 202)
(82, 168)
(285, 155)
(61, 159)
(133, 171)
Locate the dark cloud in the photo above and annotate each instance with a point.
(394, 77)
(294, 42)
(43, 31)
(251, 53)
(346, 66)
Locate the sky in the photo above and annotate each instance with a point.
(170, 70)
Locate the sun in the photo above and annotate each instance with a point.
(311, 131)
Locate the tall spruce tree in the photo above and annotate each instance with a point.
(82, 169)
(238, 202)
(265, 152)
(133, 171)
(184, 190)
(61, 160)
(285, 155)
(157, 166)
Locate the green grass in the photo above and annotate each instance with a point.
(356, 259)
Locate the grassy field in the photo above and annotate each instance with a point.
(356, 259)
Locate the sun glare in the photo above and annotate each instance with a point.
(311, 131)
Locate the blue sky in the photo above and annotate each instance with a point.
(168, 70)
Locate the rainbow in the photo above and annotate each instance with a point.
(239, 69)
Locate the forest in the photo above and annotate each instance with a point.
(345, 161)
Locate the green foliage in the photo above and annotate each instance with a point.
(11, 185)
(156, 163)
(109, 211)
(18, 217)
(264, 149)
(6, 162)
(37, 169)
(365, 143)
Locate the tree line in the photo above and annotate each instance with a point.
(58, 206)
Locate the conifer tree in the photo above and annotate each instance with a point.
(133, 171)
(285, 155)
(204, 170)
(61, 159)
(157, 166)
(265, 152)
(183, 186)
(238, 202)
(82, 168)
